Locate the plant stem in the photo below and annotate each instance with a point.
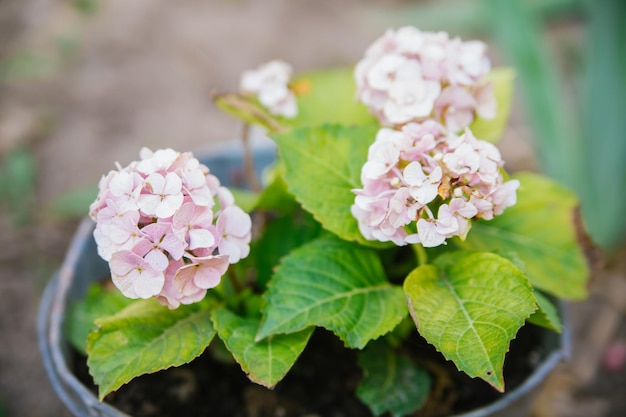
(232, 277)
(420, 253)
(248, 160)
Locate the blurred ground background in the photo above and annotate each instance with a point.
(85, 83)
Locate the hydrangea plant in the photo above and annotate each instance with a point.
(388, 204)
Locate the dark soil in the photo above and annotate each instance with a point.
(321, 383)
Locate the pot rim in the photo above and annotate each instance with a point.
(50, 321)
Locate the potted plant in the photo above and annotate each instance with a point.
(385, 237)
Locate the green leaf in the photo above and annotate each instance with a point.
(280, 237)
(336, 285)
(492, 130)
(265, 362)
(323, 166)
(546, 315)
(81, 317)
(470, 305)
(275, 196)
(245, 199)
(391, 382)
(400, 333)
(146, 337)
(540, 229)
(326, 97)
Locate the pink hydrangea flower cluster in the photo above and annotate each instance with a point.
(270, 83)
(408, 75)
(168, 228)
(421, 185)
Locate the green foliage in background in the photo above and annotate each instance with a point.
(18, 175)
(87, 7)
(580, 138)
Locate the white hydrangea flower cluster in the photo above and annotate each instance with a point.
(408, 75)
(168, 228)
(270, 83)
(418, 171)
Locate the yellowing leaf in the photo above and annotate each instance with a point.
(146, 337)
(470, 305)
(546, 315)
(267, 361)
(328, 96)
(540, 230)
(492, 130)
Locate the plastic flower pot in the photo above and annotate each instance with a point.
(82, 266)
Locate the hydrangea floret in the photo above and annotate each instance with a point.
(386, 214)
(270, 84)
